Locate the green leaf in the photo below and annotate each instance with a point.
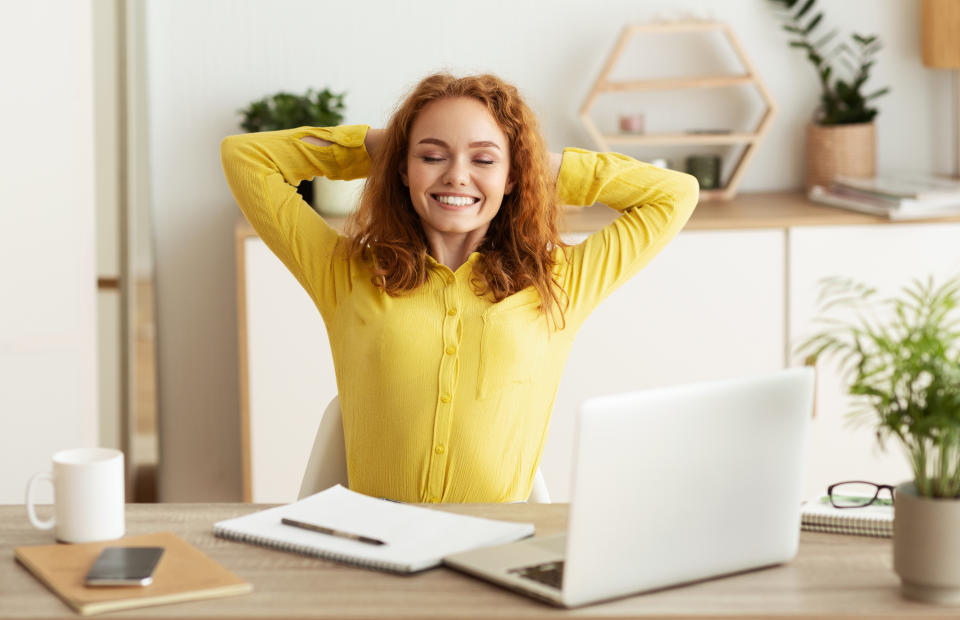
(822, 41)
(803, 10)
(813, 23)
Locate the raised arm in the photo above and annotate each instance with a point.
(263, 170)
(655, 205)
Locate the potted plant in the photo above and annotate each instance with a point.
(841, 138)
(317, 109)
(901, 359)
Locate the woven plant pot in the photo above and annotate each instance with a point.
(834, 150)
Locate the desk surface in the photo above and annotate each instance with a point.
(832, 576)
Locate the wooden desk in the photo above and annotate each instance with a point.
(832, 576)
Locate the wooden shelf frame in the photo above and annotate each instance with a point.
(681, 138)
(749, 139)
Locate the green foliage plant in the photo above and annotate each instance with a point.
(287, 111)
(901, 360)
(842, 101)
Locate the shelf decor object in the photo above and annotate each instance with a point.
(706, 168)
(749, 139)
(939, 24)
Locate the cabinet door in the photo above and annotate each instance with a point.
(290, 374)
(886, 257)
(710, 306)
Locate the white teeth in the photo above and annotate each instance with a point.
(456, 201)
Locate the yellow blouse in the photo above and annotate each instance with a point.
(446, 397)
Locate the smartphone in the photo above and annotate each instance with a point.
(124, 566)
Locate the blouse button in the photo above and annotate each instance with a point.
(451, 350)
(445, 398)
(452, 312)
(439, 449)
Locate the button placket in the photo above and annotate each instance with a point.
(446, 384)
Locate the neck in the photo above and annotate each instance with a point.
(453, 249)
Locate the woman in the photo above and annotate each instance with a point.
(452, 304)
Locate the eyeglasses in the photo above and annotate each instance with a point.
(857, 494)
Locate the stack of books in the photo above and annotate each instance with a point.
(818, 515)
(900, 196)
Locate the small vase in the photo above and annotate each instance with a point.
(926, 546)
(336, 198)
(840, 150)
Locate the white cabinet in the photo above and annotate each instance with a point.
(289, 370)
(714, 304)
(886, 257)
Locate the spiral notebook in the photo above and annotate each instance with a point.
(410, 538)
(818, 515)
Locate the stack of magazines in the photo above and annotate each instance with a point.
(901, 196)
(818, 515)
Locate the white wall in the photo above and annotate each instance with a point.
(48, 361)
(207, 59)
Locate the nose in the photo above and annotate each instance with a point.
(457, 173)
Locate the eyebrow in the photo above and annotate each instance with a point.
(481, 143)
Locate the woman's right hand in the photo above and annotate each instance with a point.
(372, 140)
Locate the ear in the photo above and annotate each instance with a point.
(403, 173)
(509, 186)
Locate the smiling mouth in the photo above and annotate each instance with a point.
(455, 201)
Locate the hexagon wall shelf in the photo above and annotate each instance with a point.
(750, 139)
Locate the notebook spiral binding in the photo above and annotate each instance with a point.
(221, 532)
(863, 526)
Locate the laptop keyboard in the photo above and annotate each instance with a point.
(549, 573)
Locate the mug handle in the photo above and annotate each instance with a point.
(31, 513)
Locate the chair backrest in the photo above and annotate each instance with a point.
(328, 459)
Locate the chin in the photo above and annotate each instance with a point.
(456, 227)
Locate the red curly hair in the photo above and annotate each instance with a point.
(517, 250)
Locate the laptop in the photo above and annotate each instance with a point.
(670, 486)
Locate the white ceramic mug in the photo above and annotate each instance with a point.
(88, 495)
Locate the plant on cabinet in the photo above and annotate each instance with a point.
(841, 138)
(323, 108)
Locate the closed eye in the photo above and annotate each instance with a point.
(484, 162)
(431, 160)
